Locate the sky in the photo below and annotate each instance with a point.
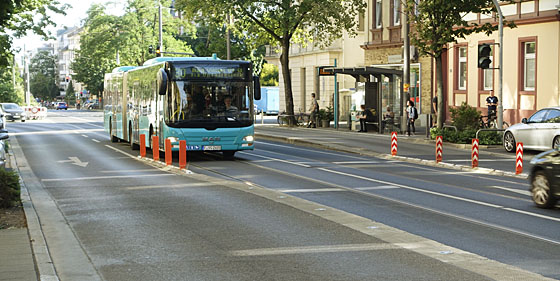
(73, 17)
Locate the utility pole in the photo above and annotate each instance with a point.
(228, 47)
(406, 68)
(160, 29)
(501, 68)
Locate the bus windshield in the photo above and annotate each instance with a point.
(217, 104)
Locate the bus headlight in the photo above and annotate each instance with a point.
(173, 139)
(249, 138)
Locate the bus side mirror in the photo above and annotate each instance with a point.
(257, 83)
(162, 82)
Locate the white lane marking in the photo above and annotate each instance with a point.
(307, 149)
(105, 177)
(281, 160)
(128, 171)
(120, 151)
(532, 214)
(437, 194)
(95, 140)
(356, 162)
(144, 187)
(311, 190)
(57, 132)
(85, 136)
(482, 160)
(524, 192)
(314, 249)
(377, 187)
(412, 188)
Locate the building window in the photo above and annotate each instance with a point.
(462, 71)
(396, 12)
(529, 65)
(361, 19)
(378, 14)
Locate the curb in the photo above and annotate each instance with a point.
(365, 152)
(44, 266)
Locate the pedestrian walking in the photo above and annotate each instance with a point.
(434, 111)
(314, 109)
(412, 115)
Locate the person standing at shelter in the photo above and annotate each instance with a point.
(314, 109)
(491, 102)
(434, 111)
(412, 115)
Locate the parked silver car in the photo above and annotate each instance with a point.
(540, 132)
(3, 136)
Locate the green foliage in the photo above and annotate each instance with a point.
(106, 37)
(18, 17)
(465, 117)
(9, 189)
(466, 136)
(42, 71)
(7, 91)
(326, 114)
(269, 75)
(210, 38)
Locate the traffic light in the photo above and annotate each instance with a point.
(158, 51)
(484, 56)
(150, 49)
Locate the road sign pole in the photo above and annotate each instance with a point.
(394, 143)
(439, 148)
(519, 158)
(474, 153)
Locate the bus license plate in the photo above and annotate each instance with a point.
(212, 147)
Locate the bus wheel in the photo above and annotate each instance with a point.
(228, 154)
(133, 145)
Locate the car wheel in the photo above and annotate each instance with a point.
(509, 142)
(541, 192)
(556, 142)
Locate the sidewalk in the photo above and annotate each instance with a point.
(17, 262)
(415, 148)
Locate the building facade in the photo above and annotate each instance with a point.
(304, 63)
(68, 42)
(531, 66)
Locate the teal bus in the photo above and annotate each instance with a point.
(205, 101)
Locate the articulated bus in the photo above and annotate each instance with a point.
(205, 101)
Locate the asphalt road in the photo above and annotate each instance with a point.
(361, 218)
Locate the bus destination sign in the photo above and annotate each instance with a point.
(210, 72)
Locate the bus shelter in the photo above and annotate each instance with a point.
(383, 89)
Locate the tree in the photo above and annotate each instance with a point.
(283, 22)
(269, 75)
(42, 71)
(440, 22)
(10, 91)
(106, 36)
(70, 94)
(17, 17)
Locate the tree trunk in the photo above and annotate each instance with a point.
(288, 95)
(439, 91)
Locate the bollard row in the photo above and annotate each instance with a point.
(168, 150)
(474, 152)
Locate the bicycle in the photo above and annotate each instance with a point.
(491, 122)
(301, 118)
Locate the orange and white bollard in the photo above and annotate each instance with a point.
(394, 143)
(142, 145)
(168, 154)
(155, 147)
(182, 154)
(439, 148)
(519, 158)
(474, 153)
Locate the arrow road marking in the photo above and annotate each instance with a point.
(75, 161)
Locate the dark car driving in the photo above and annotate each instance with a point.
(545, 178)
